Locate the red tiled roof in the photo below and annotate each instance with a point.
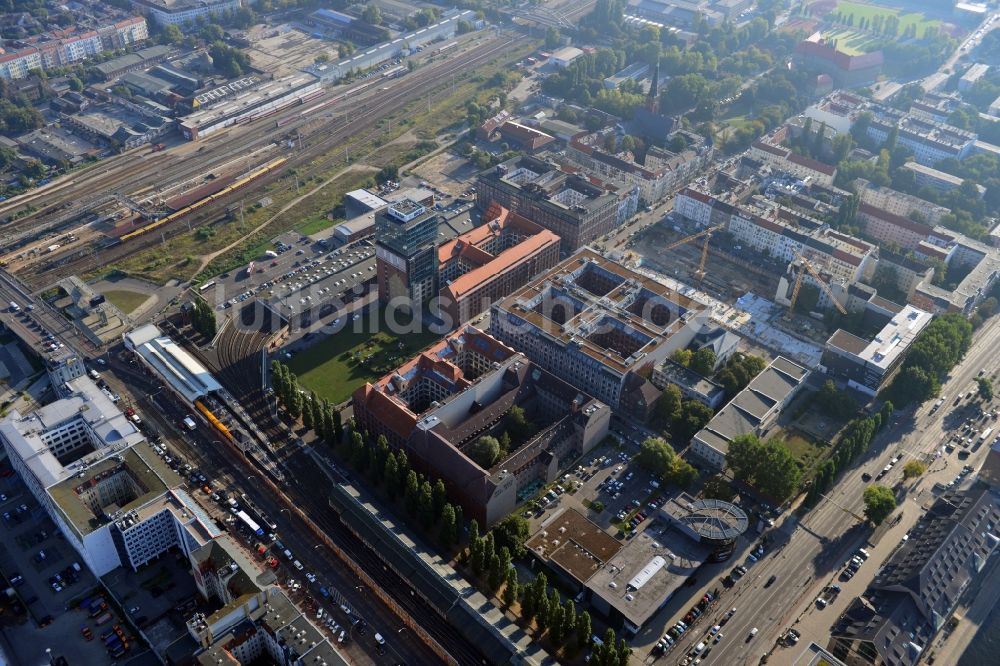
(810, 163)
(502, 262)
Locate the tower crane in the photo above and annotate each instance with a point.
(819, 280)
(707, 234)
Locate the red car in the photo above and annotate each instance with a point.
(274, 563)
(86, 632)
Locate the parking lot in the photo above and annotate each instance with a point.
(48, 580)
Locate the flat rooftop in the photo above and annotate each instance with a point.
(893, 340)
(150, 476)
(611, 313)
(173, 363)
(574, 544)
(647, 572)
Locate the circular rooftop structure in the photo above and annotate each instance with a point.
(715, 521)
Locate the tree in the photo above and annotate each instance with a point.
(694, 416)
(879, 503)
(372, 15)
(495, 572)
(583, 629)
(568, 619)
(778, 474)
(411, 492)
(446, 530)
(552, 38)
(75, 84)
(668, 406)
(485, 451)
(440, 497)
(518, 425)
(742, 456)
(425, 504)
(703, 361)
(682, 357)
(985, 388)
(554, 621)
(656, 456)
(511, 533)
(390, 476)
(510, 591)
(717, 487)
(338, 426)
(913, 468)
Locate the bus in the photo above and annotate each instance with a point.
(208, 285)
(248, 522)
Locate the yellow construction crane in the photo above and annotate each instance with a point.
(819, 280)
(707, 234)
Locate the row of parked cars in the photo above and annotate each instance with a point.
(854, 564)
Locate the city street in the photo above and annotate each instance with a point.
(806, 555)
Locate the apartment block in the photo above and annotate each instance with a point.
(806, 168)
(568, 205)
(437, 405)
(930, 141)
(898, 203)
(483, 265)
(596, 324)
(661, 173)
(178, 12)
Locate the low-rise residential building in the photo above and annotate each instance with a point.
(661, 173)
(569, 205)
(439, 404)
(869, 365)
(919, 587)
(595, 323)
(481, 266)
(752, 411)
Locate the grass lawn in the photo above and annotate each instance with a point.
(126, 300)
(362, 351)
(805, 450)
(316, 223)
(862, 10)
(851, 42)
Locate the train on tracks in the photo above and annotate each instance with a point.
(190, 208)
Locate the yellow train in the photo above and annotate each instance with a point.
(176, 215)
(216, 423)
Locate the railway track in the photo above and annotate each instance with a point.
(403, 91)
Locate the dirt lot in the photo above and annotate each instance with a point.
(448, 172)
(288, 51)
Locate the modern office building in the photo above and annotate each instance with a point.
(406, 254)
(439, 404)
(108, 493)
(485, 264)
(568, 205)
(869, 365)
(595, 323)
(753, 410)
(915, 593)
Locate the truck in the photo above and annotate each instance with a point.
(52, 248)
(189, 423)
(986, 434)
(104, 619)
(98, 607)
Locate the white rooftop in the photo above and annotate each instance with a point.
(112, 431)
(174, 364)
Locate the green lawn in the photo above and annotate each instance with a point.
(316, 223)
(862, 10)
(805, 450)
(851, 42)
(362, 351)
(126, 300)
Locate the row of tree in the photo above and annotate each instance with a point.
(938, 348)
(319, 416)
(855, 439)
(767, 466)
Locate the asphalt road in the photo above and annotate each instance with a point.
(803, 555)
(238, 476)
